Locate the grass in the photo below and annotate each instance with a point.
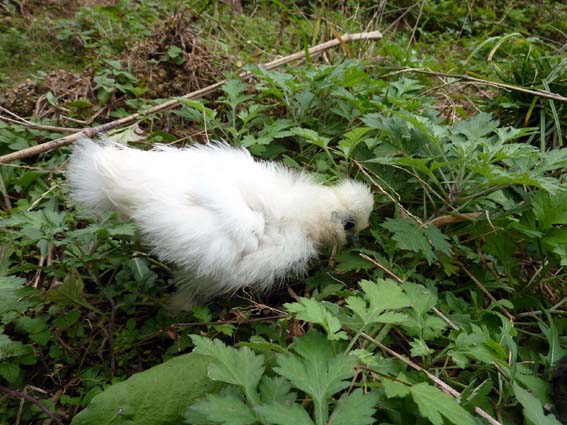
(469, 184)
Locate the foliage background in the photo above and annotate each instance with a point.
(463, 265)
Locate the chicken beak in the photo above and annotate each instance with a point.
(353, 240)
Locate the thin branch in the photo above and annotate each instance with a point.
(446, 388)
(16, 119)
(400, 281)
(122, 122)
(232, 322)
(489, 295)
(533, 92)
(23, 396)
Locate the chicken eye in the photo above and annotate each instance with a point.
(348, 224)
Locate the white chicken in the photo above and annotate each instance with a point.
(226, 220)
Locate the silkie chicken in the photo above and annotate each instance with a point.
(226, 220)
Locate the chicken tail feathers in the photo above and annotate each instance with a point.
(85, 176)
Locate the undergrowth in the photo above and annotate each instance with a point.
(452, 308)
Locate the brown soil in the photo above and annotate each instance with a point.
(192, 66)
(28, 99)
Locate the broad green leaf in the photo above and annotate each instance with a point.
(356, 408)
(316, 370)
(419, 348)
(275, 390)
(233, 91)
(10, 370)
(284, 414)
(394, 388)
(70, 293)
(157, 396)
(436, 405)
(227, 408)
(11, 349)
(352, 139)
(382, 295)
(422, 299)
(476, 127)
(533, 409)
(237, 366)
(10, 287)
(311, 136)
(313, 311)
(549, 210)
(410, 236)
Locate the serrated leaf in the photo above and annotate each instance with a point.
(233, 92)
(533, 409)
(315, 370)
(70, 292)
(356, 408)
(10, 371)
(10, 288)
(410, 236)
(419, 348)
(237, 366)
(394, 388)
(549, 210)
(311, 136)
(436, 405)
(275, 390)
(228, 409)
(422, 299)
(384, 294)
(284, 414)
(156, 396)
(476, 127)
(313, 311)
(12, 349)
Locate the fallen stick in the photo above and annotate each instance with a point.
(446, 388)
(92, 131)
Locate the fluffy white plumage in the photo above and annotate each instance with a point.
(227, 220)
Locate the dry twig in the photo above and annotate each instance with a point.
(23, 396)
(489, 295)
(122, 122)
(447, 389)
(460, 77)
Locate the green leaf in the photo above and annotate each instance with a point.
(12, 349)
(284, 414)
(419, 348)
(228, 409)
(233, 91)
(410, 236)
(533, 410)
(549, 210)
(313, 311)
(174, 51)
(157, 396)
(316, 371)
(237, 366)
(395, 389)
(434, 405)
(71, 293)
(356, 408)
(311, 136)
(422, 299)
(383, 295)
(476, 127)
(10, 288)
(275, 390)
